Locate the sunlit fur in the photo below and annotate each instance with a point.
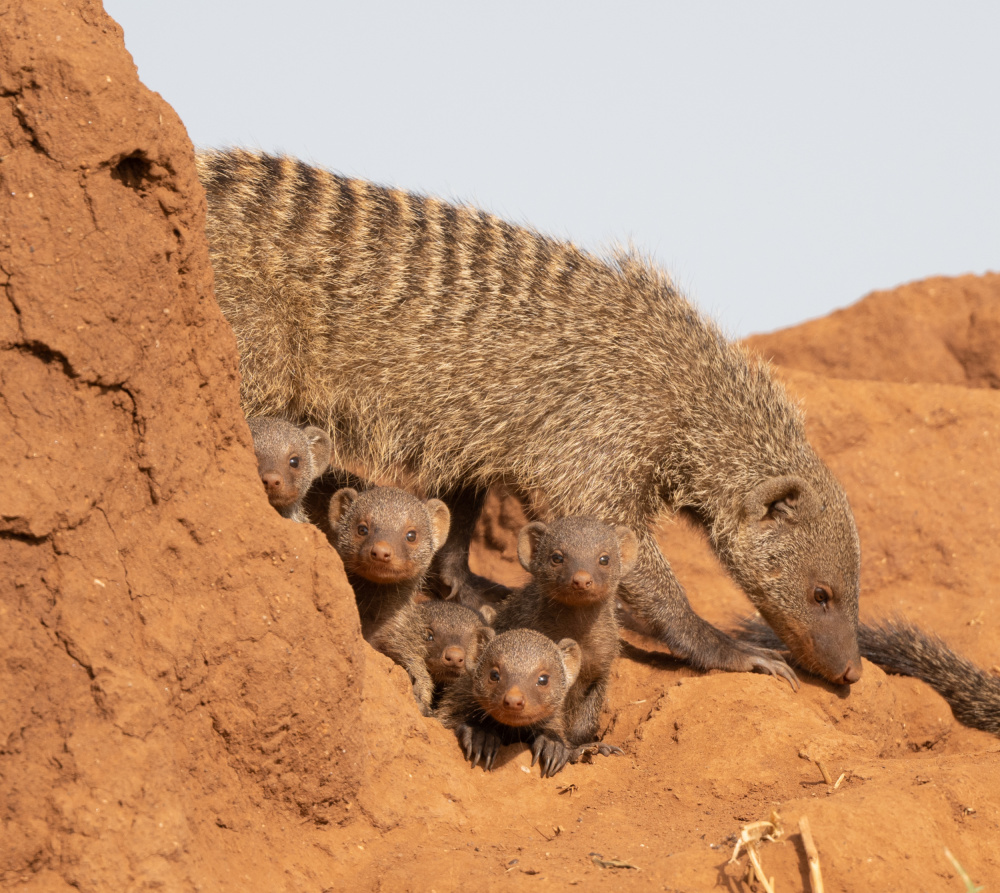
(473, 352)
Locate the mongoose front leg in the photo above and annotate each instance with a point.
(583, 719)
(652, 590)
(450, 576)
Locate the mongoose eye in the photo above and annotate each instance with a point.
(494, 675)
(822, 595)
(429, 635)
(362, 530)
(604, 560)
(557, 558)
(543, 679)
(411, 536)
(294, 461)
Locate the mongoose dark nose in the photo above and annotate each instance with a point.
(382, 551)
(454, 656)
(582, 580)
(272, 481)
(852, 674)
(514, 699)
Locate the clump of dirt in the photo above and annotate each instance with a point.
(186, 701)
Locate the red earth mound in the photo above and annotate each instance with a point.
(186, 702)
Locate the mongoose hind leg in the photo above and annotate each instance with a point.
(450, 576)
(653, 592)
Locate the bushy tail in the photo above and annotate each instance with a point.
(902, 648)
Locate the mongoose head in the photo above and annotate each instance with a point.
(797, 555)
(522, 676)
(289, 459)
(576, 560)
(454, 636)
(387, 535)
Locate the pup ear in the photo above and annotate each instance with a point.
(527, 542)
(628, 549)
(320, 447)
(340, 504)
(483, 635)
(489, 614)
(440, 522)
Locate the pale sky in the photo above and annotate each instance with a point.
(779, 159)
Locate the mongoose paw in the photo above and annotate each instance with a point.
(766, 661)
(550, 754)
(455, 582)
(478, 744)
(586, 752)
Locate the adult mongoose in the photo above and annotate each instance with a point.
(386, 539)
(515, 692)
(899, 647)
(473, 353)
(453, 636)
(289, 459)
(576, 565)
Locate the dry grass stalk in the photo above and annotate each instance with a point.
(750, 839)
(812, 856)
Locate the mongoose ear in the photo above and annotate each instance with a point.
(320, 447)
(786, 499)
(527, 542)
(572, 659)
(483, 635)
(488, 613)
(628, 549)
(340, 503)
(440, 522)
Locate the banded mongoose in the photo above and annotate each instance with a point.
(575, 565)
(473, 353)
(904, 649)
(386, 538)
(289, 459)
(514, 693)
(453, 637)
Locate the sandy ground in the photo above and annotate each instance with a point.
(185, 699)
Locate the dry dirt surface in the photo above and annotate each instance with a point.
(185, 699)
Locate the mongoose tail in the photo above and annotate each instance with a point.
(474, 353)
(904, 649)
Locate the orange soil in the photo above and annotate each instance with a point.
(186, 702)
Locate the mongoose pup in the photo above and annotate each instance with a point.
(473, 353)
(514, 693)
(904, 649)
(453, 637)
(289, 459)
(386, 538)
(576, 565)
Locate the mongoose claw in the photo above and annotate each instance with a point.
(773, 663)
(479, 745)
(551, 755)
